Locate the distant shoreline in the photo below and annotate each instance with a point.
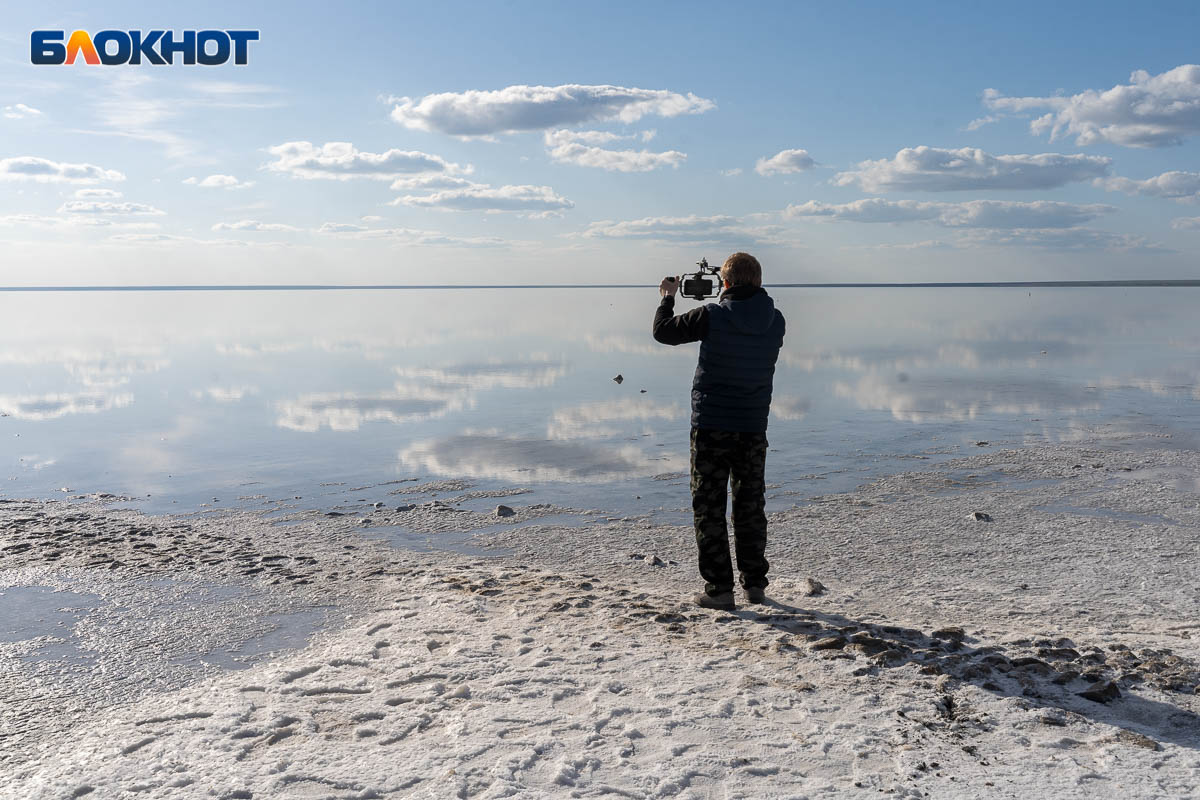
(344, 287)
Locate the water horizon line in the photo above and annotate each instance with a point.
(1138, 282)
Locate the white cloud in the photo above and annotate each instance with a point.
(151, 238)
(934, 169)
(341, 227)
(785, 162)
(868, 210)
(687, 228)
(254, 226)
(42, 221)
(976, 124)
(1038, 214)
(232, 94)
(1149, 111)
(718, 228)
(219, 182)
(167, 239)
(925, 244)
(661, 227)
(107, 207)
(426, 183)
(342, 161)
(535, 108)
(31, 168)
(971, 214)
(73, 222)
(97, 194)
(568, 147)
(482, 197)
(1181, 186)
(1066, 239)
(124, 107)
(21, 111)
(1186, 223)
(729, 173)
(411, 236)
(584, 137)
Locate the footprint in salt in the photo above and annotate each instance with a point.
(294, 675)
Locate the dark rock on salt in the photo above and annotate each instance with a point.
(504, 511)
(1101, 692)
(979, 516)
(868, 644)
(1136, 739)
(828, 643)
(950, 634)
(813, 587)
(620, 378)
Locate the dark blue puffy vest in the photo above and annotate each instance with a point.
(732, 387)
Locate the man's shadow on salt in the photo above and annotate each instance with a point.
(1052, 674)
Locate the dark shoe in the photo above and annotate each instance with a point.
(722, 601)
(756, 594)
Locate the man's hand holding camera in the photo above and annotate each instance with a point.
(668, 287)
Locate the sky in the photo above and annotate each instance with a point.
(549, 142)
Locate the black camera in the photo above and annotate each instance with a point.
(699, 287)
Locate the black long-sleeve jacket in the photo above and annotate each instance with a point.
(740, 338)
(688, 327)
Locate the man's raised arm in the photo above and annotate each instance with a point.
(671, 329)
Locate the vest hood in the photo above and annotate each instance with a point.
(751, 309)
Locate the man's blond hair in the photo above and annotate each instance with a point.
(742, 269)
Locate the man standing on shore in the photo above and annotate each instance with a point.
(740, 337)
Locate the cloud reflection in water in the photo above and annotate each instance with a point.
(587, 421)
(520, 374)
(347, 411)
(53, 406)
(489, 455)
(955, 399)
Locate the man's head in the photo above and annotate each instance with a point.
(741, 269)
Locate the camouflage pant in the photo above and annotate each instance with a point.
(721, 458)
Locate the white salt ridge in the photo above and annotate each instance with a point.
(588, 675)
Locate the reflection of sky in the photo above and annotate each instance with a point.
(52, 406)
(286, 390)
(348, 411)
(609, 418)
(943, 398)
(523, 374)
(512, 458)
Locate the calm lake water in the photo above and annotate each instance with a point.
(178, 398)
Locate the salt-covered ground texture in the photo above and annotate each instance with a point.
(1049, 649)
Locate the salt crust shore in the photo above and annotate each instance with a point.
(573, 667)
